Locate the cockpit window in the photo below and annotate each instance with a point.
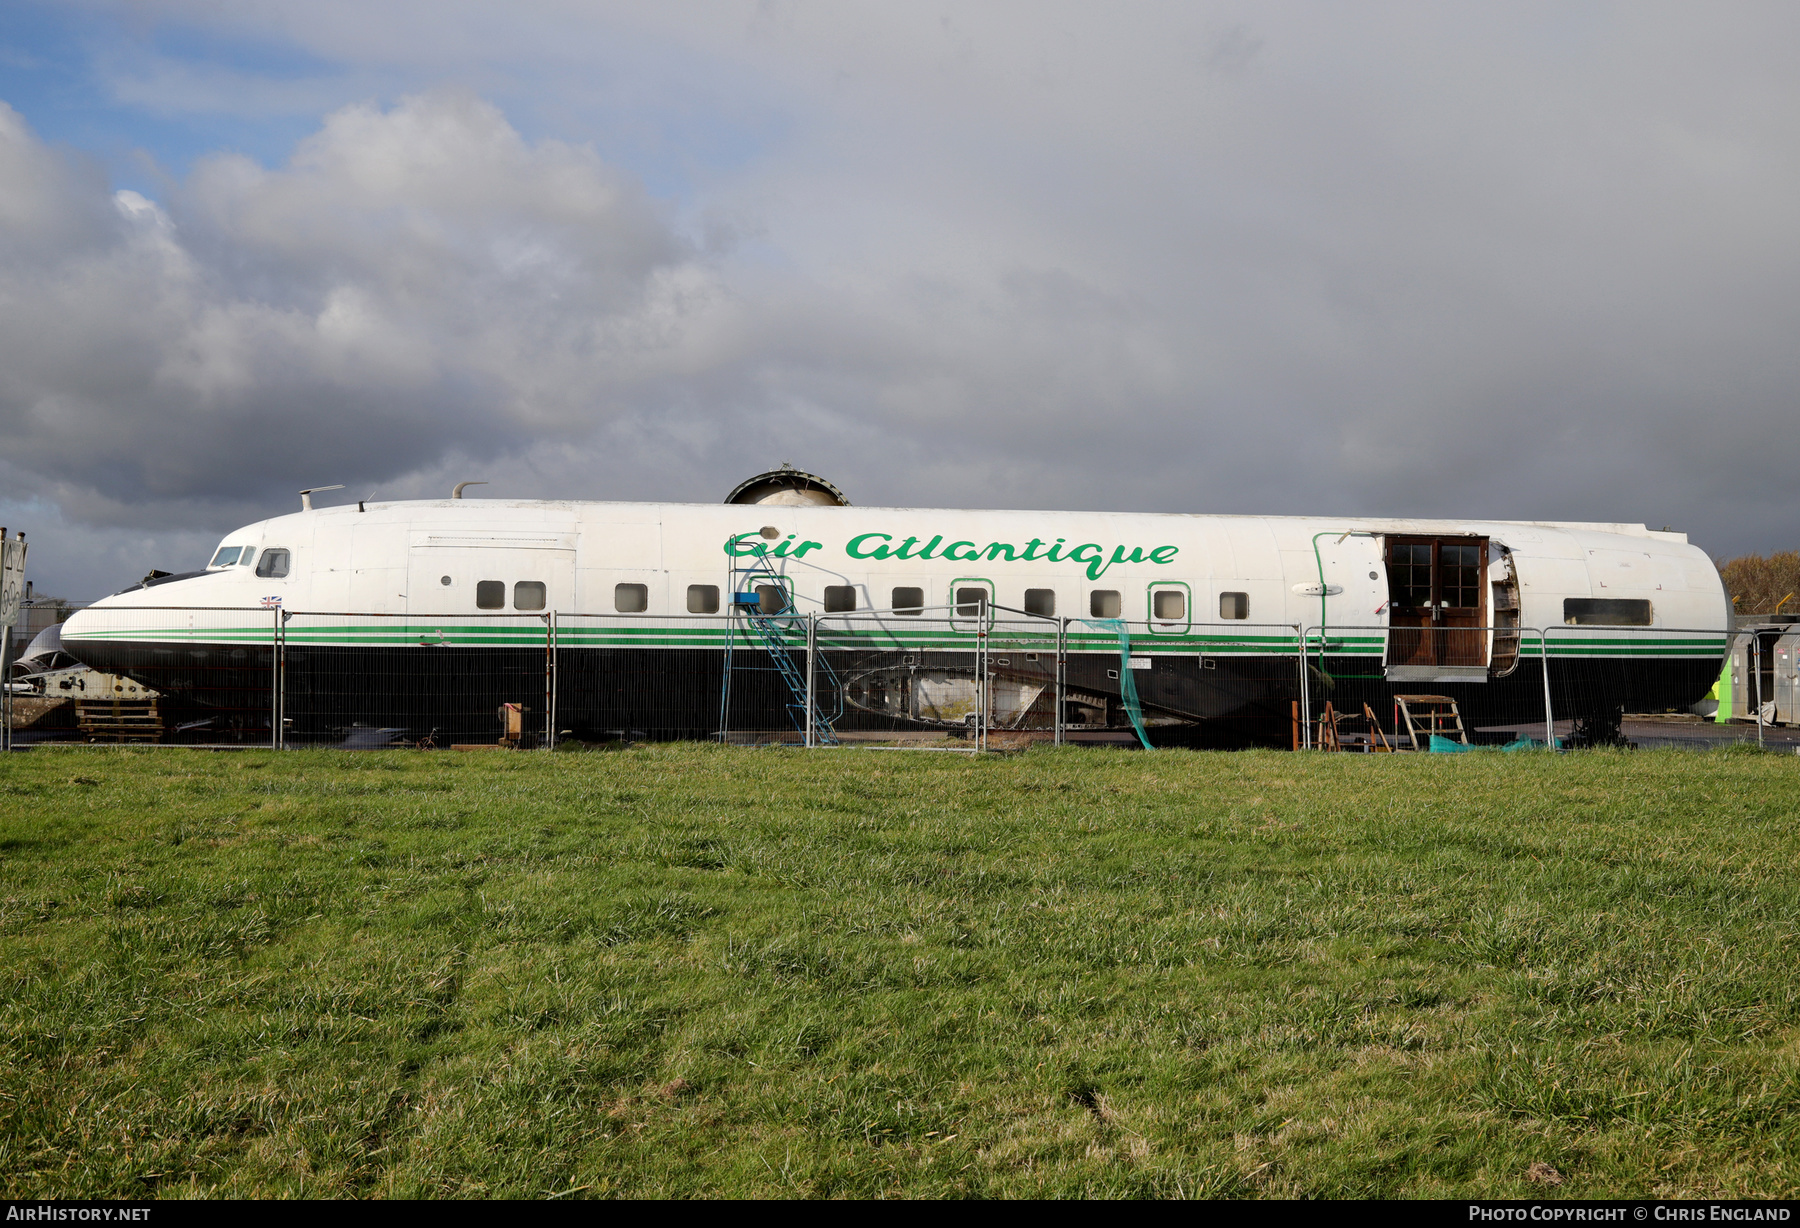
(274, 564)
(249, 556)
(226, 556)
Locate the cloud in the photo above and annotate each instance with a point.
(415, 282)
(1527, 262)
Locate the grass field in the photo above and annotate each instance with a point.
(695, 971)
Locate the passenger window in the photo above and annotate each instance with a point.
(274, 564)
(528, 595)
(909, 601)
(225, 557)
(840, 598)
(703, 599)
(1234, 605)
(1041, 601)
(490, 595)
(1606, 612)
(1168, 605)
(1104, 603)
(971, 602)
(771, 599)
(631, 598)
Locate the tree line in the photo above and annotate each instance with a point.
(1758, 584)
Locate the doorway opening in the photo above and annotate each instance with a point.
(1437, 601)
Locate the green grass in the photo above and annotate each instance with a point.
(695, 971)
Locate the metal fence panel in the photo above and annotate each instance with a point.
(359, 680)
(211, 675)
(256, 675)
(1507, 683)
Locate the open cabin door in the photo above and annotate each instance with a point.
(1437, 608)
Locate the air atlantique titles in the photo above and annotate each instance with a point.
(880, 546)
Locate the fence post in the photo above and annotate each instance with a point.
(812, 648)
(1062, 674)
(281, 679)
(1305, 691)
(550, 680)
(981, 687)
(1549, 716)
(1756, 673)
(275, 679)
(6, 702)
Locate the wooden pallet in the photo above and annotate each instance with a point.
(119, 720)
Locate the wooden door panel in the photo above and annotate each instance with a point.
(1436, 600)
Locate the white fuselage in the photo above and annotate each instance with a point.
(428, 558)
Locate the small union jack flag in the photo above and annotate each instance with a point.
(271, 603)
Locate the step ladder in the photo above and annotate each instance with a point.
(772, 631)
(1425, 715)
(1333, 736)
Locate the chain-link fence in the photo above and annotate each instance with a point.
(958, 675)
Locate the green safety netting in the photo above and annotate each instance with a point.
(1127, 684)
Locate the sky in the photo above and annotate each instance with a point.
(1508, 261)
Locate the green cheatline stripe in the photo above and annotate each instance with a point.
(896, 639)
(1646, 652)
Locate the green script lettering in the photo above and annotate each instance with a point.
(853, 546)
(800, 552)
(737, 550)
(1096, 562)
(1091, 555)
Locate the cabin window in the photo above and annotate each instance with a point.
(1041, 601)
(771, 599)
(1409, 574)
(490, 594)
(1605, 612)
(631, 598)
(1104, 603)
(909, 601)
(528, 595)
(1234, 605)
(840, 598)
(274, 564)
(971, 602)
(1168, 605)
(703, 599)
(226, 556)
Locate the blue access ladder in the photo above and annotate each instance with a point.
(771, 632)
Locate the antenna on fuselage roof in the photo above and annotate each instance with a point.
(306, 495)
(457, 493)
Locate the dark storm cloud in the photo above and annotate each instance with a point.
(1514, 262)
